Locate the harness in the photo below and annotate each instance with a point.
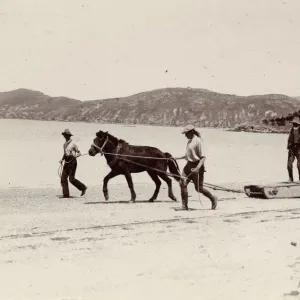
(101, 149)
(119, 146)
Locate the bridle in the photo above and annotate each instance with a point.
(101, 149)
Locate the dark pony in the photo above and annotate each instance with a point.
(129, 159)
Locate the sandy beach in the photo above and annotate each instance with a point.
(86, 248)
(142, 71)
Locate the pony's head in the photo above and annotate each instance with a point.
(99, 143)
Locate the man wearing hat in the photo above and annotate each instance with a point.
(194, 169)
(71, 152)
(294, 148)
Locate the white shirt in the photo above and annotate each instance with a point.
(194, 149)
(70, 148)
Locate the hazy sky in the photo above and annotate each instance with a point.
(93, 49)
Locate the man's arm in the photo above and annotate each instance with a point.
(202, 156)
(63, 157)
(200, 164)
(76, 149)
(289, 143)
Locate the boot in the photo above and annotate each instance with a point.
(184, 196)
(291, 177)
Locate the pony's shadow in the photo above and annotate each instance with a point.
(123, 202)
(190, 209)
(70, 197)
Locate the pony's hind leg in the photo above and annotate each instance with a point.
(109, 176)
(169, 183)
(157, 182)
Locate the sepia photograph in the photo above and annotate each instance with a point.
(150, 149)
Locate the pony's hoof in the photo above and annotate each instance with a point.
(132, 201)
(151, 200)
(106, 197)
(173, 198)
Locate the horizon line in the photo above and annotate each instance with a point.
(147, 91)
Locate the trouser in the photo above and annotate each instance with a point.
(198, 180)
(294, 153)
(69, 171)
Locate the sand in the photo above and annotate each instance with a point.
(86, 248)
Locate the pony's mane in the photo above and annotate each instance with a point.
(123, 142)
(116, 140)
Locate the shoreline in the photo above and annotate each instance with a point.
(244, 127)
(254, 128)
(117, 124)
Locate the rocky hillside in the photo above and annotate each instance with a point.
(170, 107)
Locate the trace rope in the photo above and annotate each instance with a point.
(214, 187)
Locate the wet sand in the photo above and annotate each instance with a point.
(86, 248)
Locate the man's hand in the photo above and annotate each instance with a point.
(78, 154)
(195, 170)
(61, 161)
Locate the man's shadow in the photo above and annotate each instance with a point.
(123, 202)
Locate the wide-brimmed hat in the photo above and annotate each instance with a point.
(296, 120)
(67, 132)
(188, 128)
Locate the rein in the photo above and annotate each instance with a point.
(212, 186)
(132, 156)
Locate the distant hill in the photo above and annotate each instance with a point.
(165, 107)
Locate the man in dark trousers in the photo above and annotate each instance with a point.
(71, 152)
(294, 148)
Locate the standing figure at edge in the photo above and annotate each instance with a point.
(293, 147)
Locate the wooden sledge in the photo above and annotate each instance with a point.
(272, 191)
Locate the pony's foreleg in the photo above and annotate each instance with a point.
(109, 176)
(130, 185)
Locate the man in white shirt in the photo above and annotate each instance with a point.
(71, 152)
(194, 169)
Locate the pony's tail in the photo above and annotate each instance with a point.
(173, 167)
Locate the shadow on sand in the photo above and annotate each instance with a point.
(70, 197)
(190, 209)
(125, 202)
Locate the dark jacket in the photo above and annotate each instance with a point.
(291, 138)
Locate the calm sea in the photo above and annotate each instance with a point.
(30, 151)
